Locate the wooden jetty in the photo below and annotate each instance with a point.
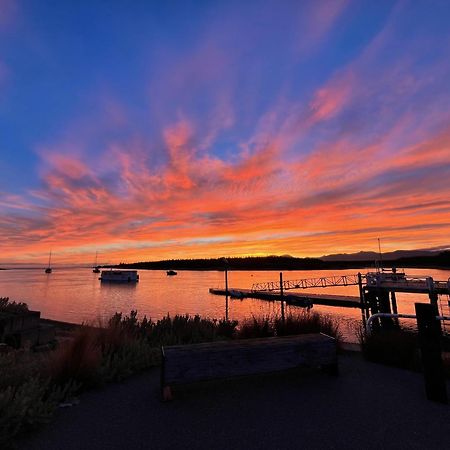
(299, 299)
(377, 290)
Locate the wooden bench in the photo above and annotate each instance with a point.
(182, 364)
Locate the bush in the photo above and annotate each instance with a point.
(392, 347)
(12, 307)
(32, 385)
(303, 323)
(78, 359)
(307, 322)
(189, 330)
(256, 327)
(29, 404)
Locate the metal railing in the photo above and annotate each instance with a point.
(395, 316)
(424, 283)
(307, 283)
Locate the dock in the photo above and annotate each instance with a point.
(295, 299)
(377, 290)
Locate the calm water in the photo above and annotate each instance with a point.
(76, 295)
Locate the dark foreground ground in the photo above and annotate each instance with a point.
(367, 406)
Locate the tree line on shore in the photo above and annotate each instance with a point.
(439, 260)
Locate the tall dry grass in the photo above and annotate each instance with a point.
(302, 323)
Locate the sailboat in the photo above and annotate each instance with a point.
(96, 269)
(49, 269)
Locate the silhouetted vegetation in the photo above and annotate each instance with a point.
(302, 323)
(440, 260)
(398, 348)
(8, 306)
(32, 385)
(244, 263)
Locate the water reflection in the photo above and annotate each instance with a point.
(76, 295)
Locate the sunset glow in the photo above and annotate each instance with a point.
(154, 130)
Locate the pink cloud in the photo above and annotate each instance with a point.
(331, 99)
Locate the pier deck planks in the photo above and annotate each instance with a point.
(345, 301)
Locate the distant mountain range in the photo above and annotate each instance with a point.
(374, 256)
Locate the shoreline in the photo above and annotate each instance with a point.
(327, 266)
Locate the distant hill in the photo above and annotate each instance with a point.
(232, 263)
(374, 256)
(423, 259)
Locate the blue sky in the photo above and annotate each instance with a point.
(121, 123)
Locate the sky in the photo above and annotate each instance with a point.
(152, 130)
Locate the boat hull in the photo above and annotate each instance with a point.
(119, 276)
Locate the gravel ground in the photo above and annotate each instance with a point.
(367, 406)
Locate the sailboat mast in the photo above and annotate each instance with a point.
(381, 257)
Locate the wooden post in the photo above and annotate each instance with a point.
(433, 298)
(394, 308)
(226, 281)
(226, 290)
(430, 348)
(281, 296)
(361, 299)
(371, 295)
(385, 307)
(394, 302)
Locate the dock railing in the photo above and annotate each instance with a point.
(307, 283)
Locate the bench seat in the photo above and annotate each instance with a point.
(182, 364)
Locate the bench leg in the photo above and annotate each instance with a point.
(166, 394)
(331, 369)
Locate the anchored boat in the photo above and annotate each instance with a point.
(96, 268)
(49, 267)
(121, 276)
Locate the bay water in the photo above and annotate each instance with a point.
(76, 295)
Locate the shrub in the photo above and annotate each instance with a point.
(12, 307)
(307, 322)
(78, 359)
(29, 404)
(256, 327)
(32, 385)
(189, 330)
(392, 347)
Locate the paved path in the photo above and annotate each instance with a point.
(367, 406)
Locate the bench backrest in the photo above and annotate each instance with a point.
(196, 362)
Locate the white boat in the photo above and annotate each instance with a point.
(385, 276)
(121, 276)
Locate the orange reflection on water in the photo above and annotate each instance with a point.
(76, 295)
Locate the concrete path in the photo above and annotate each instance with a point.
(368, 406)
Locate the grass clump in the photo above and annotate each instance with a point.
(190, 330)
(8, 306)
(293, 324)
(308, 322)
(257, 327)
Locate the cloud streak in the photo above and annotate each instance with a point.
(220, 168)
